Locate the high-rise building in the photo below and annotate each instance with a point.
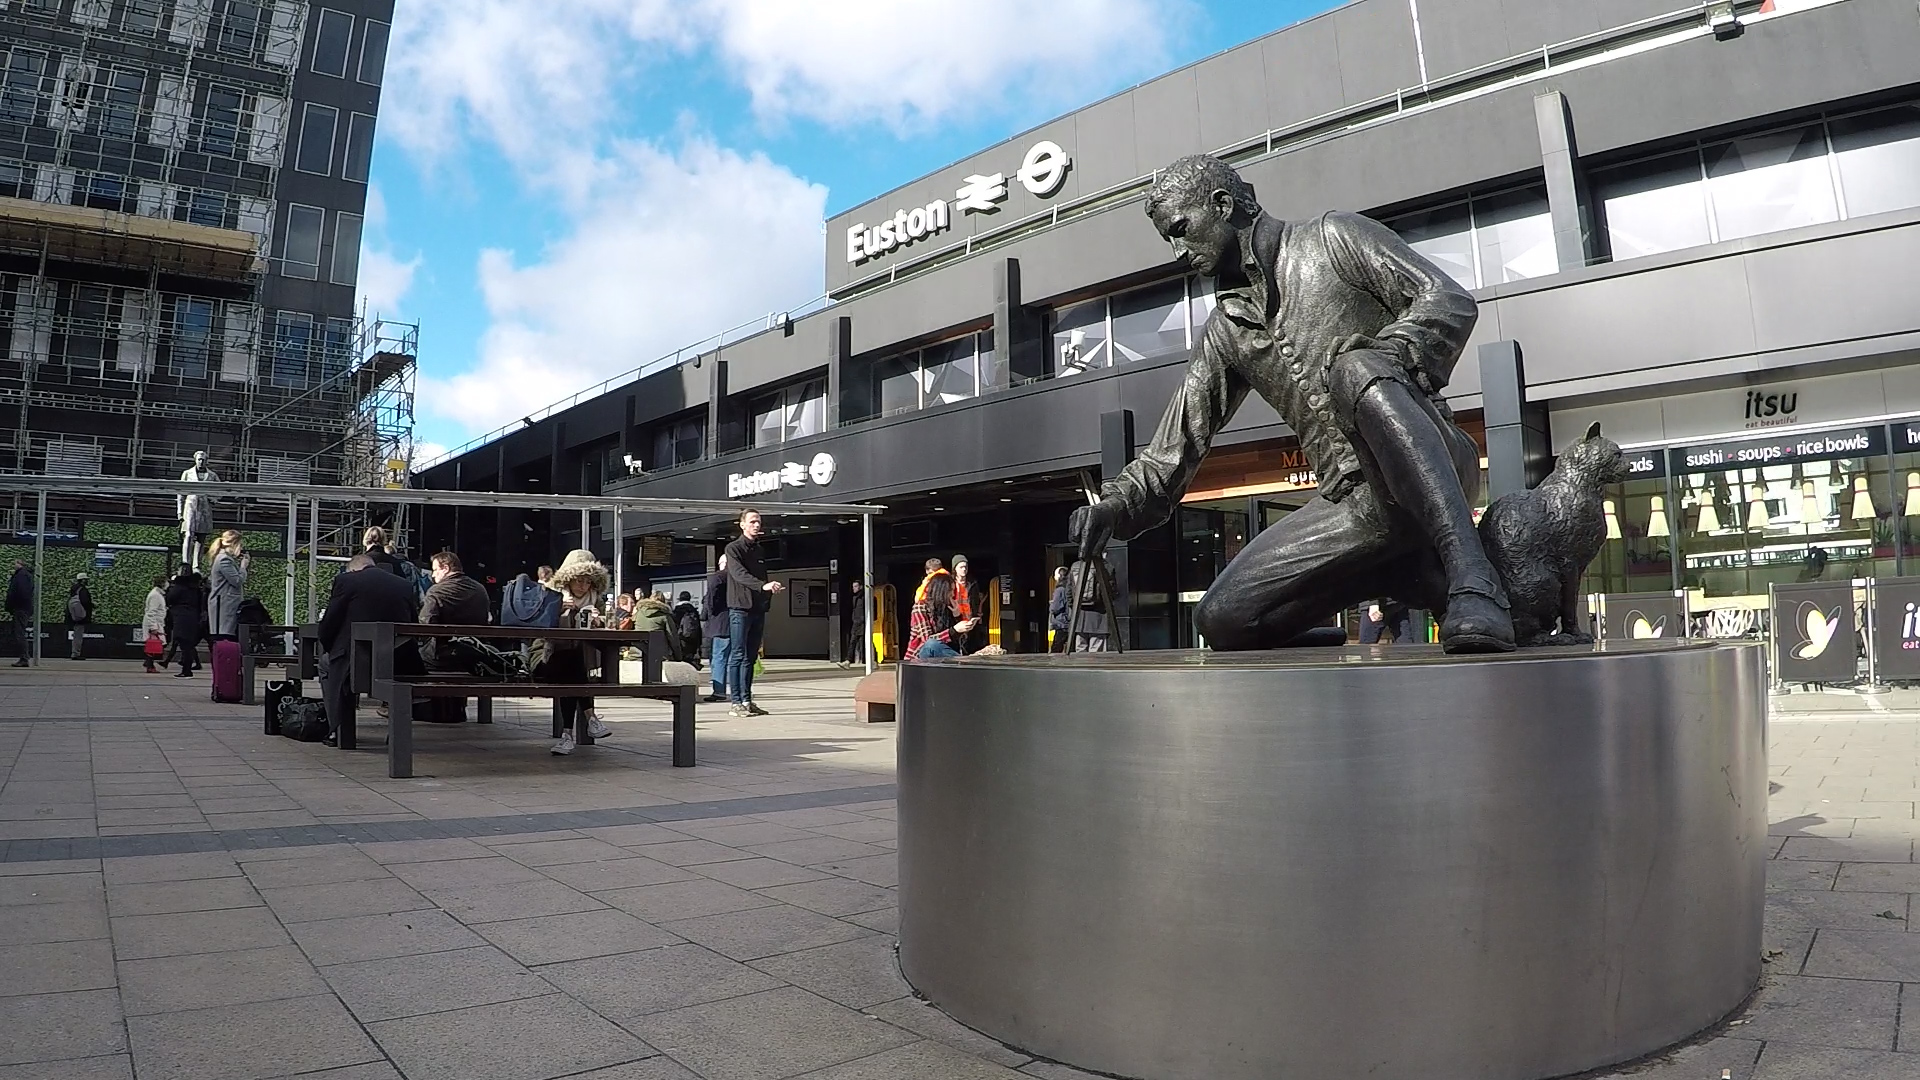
(182, 190)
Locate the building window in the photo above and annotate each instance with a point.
(1150, 323)
(1140, 324)
(189, 339)
(20, 96)
(49, 8)
(105, 191)
(793, 413)
(896, 382)
(373, 52)
(141, 16)
(117, 96)
(302, 254)
(202, 208)
(220, 121)
(1485, 239)
(1080, 338)
(940, 374)
(16, 181)
(949, 372)
(346, 249)
(83, 327)
(292, 350)
(1766, 183)
(359, 148)
(316, 139)
(1878, 157)
(678, 442)
(240, 25)
(332, 41)
(337, 355)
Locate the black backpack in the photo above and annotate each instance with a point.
(483, 661)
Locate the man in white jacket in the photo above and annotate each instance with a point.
(153, 624)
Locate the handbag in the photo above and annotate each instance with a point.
(303, 719)
(483, 661)
(154, 646)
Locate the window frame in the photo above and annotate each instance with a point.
(340, 232)
(106, 109)
(346, 47)
(283, 319)
(286, 241)
(354, 127)
(129, 7)
(176, 339)
(223, 35)
(307, 115)
(235, 147)
(386, 41)
(10, 92)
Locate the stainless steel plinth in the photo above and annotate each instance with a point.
(1327, 864)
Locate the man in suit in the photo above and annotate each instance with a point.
(363, 593)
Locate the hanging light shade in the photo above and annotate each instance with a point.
(1811, 512)
(1709, 514)
(1657, 522)
(1913, 494)
(1862, 501)
(1757, 517)
(1613, 519)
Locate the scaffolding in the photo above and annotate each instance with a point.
(141, 143)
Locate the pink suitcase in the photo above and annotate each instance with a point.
(226, 672)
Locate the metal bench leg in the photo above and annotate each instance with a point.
(349, 733)
(247, 671)
(400, 736)
(580, 735)
(556, 718)
(486, 710)
(683, 707)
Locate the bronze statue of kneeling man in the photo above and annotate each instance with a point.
(1350, 335)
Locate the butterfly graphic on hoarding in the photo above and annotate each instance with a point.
(1639, 629)
(1820, 628)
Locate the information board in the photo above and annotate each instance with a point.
(1643, 616)
(1814, 637)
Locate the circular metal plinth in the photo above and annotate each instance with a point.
(1336, 863)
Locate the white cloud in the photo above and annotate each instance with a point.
(908, 63)
(385, 278)
(424, 452)
(668, 247)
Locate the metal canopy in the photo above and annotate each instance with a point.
(124, 487)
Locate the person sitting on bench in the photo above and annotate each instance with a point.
(580, 581)
(361, 596)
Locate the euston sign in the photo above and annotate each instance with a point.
(791, 474)
(1041, 172)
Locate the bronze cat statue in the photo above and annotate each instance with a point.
(1541, 541)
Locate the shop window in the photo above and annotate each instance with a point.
(1150, 323)
(1654, 206)
(20, 94)
(1766, 183)
(188, 338)
(949, 372)
(1638, 553)
(292, 350)
(1080, 338)
(1878, 155)
(1741, 530)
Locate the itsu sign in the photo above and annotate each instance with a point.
(790, 475)
(1041, 172)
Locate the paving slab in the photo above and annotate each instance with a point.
(767, 1036)
(535, 1039)
(229, 1042)
(633, 984)
(211, 980)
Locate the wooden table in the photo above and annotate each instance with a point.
(373, 647)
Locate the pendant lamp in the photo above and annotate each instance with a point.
(1709, 514)
(1757, 517)
(1657, 522)
(1613, 518)
(1862, 501)
(1913, 494)
(1811, 512)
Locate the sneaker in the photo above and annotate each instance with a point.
(183, 674)
(565, 745)
(597, 728)
(755, 710)
(710, 699)
(738, 710)
(22, 662)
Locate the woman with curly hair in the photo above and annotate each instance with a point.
(580, 580)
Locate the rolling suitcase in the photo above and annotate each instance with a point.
(226, 671)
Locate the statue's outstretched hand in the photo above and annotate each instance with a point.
(1092, 526)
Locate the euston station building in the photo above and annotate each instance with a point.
(1696, 224)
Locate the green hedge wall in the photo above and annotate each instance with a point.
(126, 532)
(120, 591)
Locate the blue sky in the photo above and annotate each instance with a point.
(565, 189)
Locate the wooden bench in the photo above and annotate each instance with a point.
(302, 663)
(374, 643)
(874, 697)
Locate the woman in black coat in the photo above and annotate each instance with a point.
(186, 616)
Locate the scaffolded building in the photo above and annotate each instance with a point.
(181, 198)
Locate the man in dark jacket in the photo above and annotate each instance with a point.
(454, 600)
(79, 614)
(714, 606)
(686, 623)
(749, 594)
(364, 593)
(20, 610)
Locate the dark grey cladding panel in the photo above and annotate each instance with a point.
(953, 296)
(1303, 72)
(667, 392)
(1166, 121)
(1823, 54)
(1463, 34)
(1376, 49)
(1231, 90)
(773, 357)
(1106, 154)
(1466, 143)
(1840, 289)
(1118, 241)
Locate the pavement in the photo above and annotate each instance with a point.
(184, 898)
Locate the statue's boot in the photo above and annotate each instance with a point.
(1414, 460)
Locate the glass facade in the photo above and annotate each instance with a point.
(677, 442)
(1838, 167)
(791, 413)
(1158, 321)
(1486, 239)
(940, 374)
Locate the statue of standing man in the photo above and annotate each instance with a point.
(196, 511)
(1350, 335)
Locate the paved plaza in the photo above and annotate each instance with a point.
(184, 898)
